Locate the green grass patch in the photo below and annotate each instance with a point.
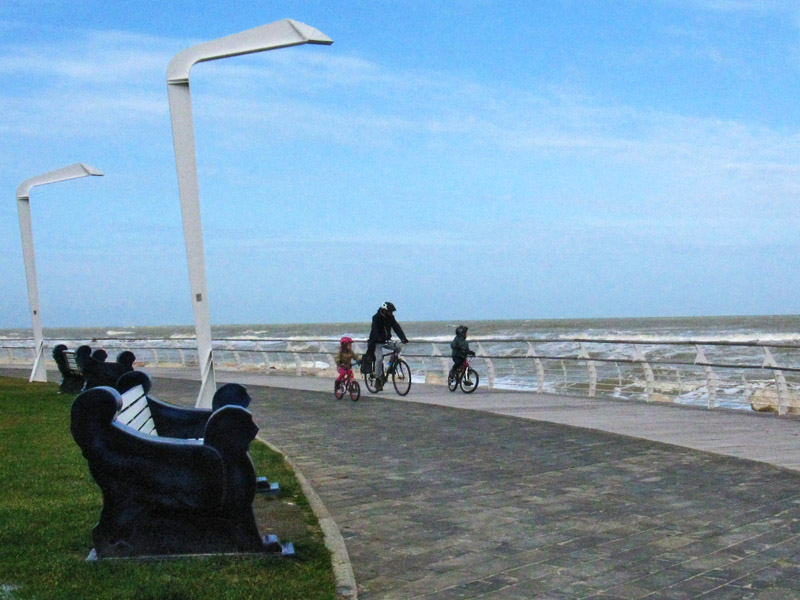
(49, 504)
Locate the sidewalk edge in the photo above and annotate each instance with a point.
(346, 588)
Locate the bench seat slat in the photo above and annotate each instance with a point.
(140, 422)
(130, 412)
(72, 362)
(135, 411)
(149, 427)
(131, 396)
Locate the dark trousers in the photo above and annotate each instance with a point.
(458, 362)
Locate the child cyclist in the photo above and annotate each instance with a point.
(460, 349)
(345, 358)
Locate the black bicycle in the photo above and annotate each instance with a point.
(397, 369)
(465, 376)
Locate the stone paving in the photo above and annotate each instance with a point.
(439, 503)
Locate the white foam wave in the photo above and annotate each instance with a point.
(737, 338)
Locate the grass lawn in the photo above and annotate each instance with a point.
(49, 504)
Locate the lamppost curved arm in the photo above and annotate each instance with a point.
(26, 232)
(280, 34)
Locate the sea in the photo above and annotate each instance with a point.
(778, 329)
(771, 329)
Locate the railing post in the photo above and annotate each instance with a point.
(591, 369)
(265, 356)
(539, 367)
(489, 365)
(442, 360)
(330, 358)
(297, 360)
(230, 348)
(711, 377)
(649, 379)
(780, 381)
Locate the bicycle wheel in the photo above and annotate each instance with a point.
(401, 377)
(371, 382)
(452, 380)
(355, 391)
(338, 389)
(469, 381)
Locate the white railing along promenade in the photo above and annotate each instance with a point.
(698, 372)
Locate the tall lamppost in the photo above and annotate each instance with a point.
(267, 37)
(26, 230)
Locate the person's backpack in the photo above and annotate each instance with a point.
(367, 363)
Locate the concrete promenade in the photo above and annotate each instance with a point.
(510, 496)
(439, 503)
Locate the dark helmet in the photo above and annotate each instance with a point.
(461, 330)
(388, 306)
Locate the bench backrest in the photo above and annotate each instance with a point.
(72, 362)
(135, 411)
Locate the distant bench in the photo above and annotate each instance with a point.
(171, 486)
(82, 368)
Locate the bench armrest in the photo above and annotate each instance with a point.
(177, 421)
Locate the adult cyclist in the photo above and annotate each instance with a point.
(380, 336)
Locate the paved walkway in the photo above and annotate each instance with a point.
(440, 503)
(740, 433)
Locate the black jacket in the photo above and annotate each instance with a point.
(460, 348)
(381, 331)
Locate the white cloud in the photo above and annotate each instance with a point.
(113, 83)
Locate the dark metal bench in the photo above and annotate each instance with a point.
(165, 495)
(71, 375)
(83, 369)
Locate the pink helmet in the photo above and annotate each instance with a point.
(346, 340)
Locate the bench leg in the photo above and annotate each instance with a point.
(264, 486)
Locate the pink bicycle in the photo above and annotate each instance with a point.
(348, 385)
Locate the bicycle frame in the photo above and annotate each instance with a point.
(348, 385)
(397, 370)
(464, 374)
(393, 355)
(348, 377)
(464, 367)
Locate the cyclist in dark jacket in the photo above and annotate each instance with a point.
(380, 336)
(460, 349)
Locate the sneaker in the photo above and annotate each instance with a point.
(378, 384)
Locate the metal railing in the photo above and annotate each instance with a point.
(758, 376)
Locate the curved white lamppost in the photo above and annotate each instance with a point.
(26, 231)
(267, 37)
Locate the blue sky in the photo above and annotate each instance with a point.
(471, 159)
